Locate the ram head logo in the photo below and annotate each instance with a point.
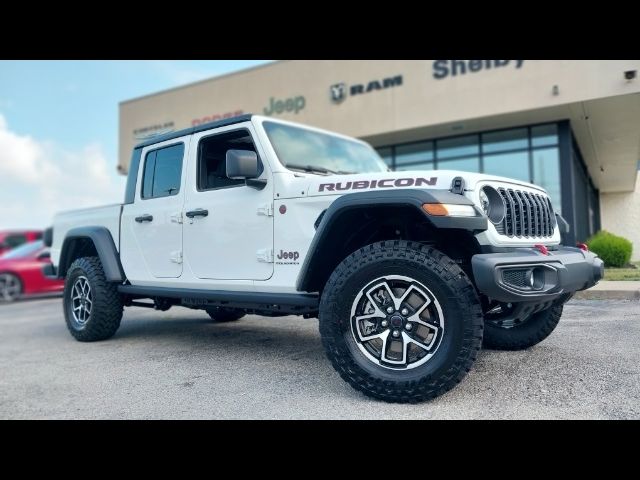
(338, 92)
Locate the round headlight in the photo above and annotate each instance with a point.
(484, 203)
(492, 204)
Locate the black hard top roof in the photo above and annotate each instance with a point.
(198, 128)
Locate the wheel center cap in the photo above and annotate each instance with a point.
(396, 320)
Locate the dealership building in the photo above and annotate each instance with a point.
(571, 126)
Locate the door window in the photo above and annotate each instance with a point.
(212, 158)
(162, 172)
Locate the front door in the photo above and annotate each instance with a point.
(230, 234)
(152, 225)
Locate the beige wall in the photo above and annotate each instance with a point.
(621, 215)
(423, 105)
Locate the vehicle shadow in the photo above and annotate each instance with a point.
(254, 334)
(32, 298)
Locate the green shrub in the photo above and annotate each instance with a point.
(613, 250)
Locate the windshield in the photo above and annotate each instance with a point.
(314, 152)
(23, 250)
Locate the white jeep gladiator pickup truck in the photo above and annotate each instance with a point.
(409, 273)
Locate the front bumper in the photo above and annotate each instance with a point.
(526, 275)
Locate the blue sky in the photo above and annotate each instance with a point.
(59, 123)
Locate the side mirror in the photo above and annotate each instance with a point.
(44, 256)
(243, 165)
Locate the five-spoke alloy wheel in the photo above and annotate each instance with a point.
(397, 322)
(81, 300)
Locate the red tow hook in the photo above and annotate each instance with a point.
(583, 247)
(541, 248)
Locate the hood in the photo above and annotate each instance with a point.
(319, 185)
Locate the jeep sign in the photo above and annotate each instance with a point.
(291, 104)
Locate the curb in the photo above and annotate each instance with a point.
(607, 295)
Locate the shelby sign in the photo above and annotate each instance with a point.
(445, 68)
(338, 91)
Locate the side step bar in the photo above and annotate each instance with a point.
(293, 303)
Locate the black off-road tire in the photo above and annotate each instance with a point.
(462, 335)
(524, 335)
(221, 314)
(107, 308)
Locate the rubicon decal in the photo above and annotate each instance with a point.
(386, 183)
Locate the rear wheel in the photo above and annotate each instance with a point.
(221, 314)
(10, 287)
(92, 305)
(400, 321)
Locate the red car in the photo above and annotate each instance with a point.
(21, 272)
(15, 238)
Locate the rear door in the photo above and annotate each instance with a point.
(151, 227)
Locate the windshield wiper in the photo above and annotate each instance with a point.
(320, 170)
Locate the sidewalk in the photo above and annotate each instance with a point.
(611, 290)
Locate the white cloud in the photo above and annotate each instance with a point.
(38, 179)
(178, 72)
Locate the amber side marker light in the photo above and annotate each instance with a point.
(449, 210)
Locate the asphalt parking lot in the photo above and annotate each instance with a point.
(179, 364)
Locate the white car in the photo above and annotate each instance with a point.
(408, 272)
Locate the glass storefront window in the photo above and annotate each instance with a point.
(416, 166)
(458, 147)
(506, 153)
(546, 173)
(512, 165)
(387, 155)
(515, 139)
(463, 164)
(414, 153)
(544, 135)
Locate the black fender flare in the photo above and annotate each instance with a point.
(405, 197)
(104, 245)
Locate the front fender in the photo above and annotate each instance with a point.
(407, 198)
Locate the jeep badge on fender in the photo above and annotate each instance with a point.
(409, 273)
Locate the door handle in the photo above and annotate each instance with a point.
(144, 218)
(197, 213)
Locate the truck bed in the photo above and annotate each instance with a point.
(107, 216)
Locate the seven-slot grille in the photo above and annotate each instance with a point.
(527, 214)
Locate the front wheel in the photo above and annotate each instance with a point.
(92, 305)
(400, 321)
